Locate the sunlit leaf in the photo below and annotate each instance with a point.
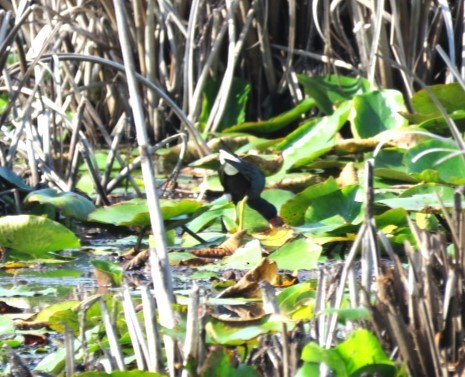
(112, 272)
(135, 212)
(10, 179)
(240, 332)
(424, 157)
(126, 373)
(330, 90)
(298, 301)
(360, 353)
(313, 138)
(276, 123)
(293, 211)
(451, 96)
(234, 112)
(298, 254)
(339, 207)
(221, 362)
(35, 235)
(377, 111)
(71, 204)
(7, 327)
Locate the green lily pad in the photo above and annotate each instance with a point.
(71, 204)
(313, 138)
(332, 89)
(293, 211)
(135, 212)
(276, 123)
(35, 235)
(11, 180)
(422, 162)
(300, 254)
(360, 353)
(377, 111)
(112, 270)
(451, 96)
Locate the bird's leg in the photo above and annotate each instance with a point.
(241, 213)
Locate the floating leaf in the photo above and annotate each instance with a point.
(451, 96)
(71, 204)
(313, 138)
(332, 89)
(377, 111)
(341, 207)
(298, 254)
(298, 301)
(10, 179)
(221, 361)
(274, 124)
(35, 235)
(293, 211)
(422, 162)
(107, 273)
(135, 212)
(234, 112)
(360, 353)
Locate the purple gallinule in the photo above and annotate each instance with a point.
(241, 178)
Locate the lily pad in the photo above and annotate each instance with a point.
(300, 254)
(135, 212)
(313, 138)
(377, 111)
(35, 235)
(332, 89)
(422, 162)
(276, 123)
(11, 180)
(71, 204)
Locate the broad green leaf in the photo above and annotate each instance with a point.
(274, 124)
(25, 291)
(298, 301)
(240, 332)
(300, 254)
(112, 270)
(243, 258)
(314, 354)
(235, 107)
(222, 362)
(417, 202)
(363, 353)
(71, 204)
(377, 111)
(360, 353)
(10, 179)
(125, 373)
(35, 235)
(313, 138)
(221, 210)
(135, 212)
(332, 89)
(7, 327)
(293, 211)
(338, 207)
(422, 162)
(389, 165)
(45, 314)
(349, 314)
(451, 96)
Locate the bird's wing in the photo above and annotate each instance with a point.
(255, 176)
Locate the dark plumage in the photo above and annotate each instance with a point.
(240, 178)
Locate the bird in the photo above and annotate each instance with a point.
(241, 178)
